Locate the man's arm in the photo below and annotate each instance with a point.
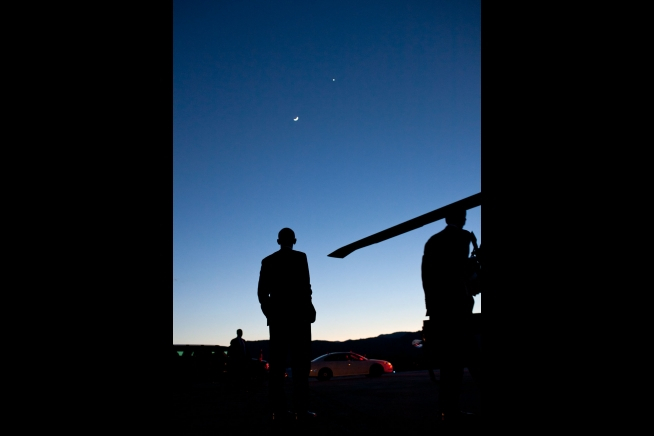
(307, 281)
(232, 349)
(427, 269)
(263, 290)
(426, 273)
(247, 350)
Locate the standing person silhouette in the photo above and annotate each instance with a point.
(285, 296)
(449, 306)
(239, 359)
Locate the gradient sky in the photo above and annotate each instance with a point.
(394, 136)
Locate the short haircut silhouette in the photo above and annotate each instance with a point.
(286, 234)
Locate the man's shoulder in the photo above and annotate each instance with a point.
(465, 235)
(449, 233)
(284, 254)
(437, 236)
(271, 257)
(452, 230)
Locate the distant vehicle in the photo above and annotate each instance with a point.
(340, 364)
(210, 363)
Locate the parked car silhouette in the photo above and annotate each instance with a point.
(200, 363)
(340, 364)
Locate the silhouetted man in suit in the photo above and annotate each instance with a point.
(239, 359)
(285, 296)
(449, 306)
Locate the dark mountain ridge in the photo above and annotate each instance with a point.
(395, 347)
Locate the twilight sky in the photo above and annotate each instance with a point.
(387, 96)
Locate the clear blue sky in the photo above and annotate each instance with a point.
(387, 96)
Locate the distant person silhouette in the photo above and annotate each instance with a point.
(285, 296)
(445, 268)
(239, 360)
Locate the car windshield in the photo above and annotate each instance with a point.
(318, 358)
(339, 357)
(355, 356)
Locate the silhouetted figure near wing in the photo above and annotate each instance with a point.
(285, 296)
(239, 358)
(445, 269)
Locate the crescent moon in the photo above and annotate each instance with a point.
(296, 118)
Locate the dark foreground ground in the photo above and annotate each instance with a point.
(392, 404)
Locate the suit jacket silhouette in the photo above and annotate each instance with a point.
(444, 269)
(238, 349)
(285, 288)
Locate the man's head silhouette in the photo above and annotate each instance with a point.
(239, 333)
(286, 237)
(456, 217)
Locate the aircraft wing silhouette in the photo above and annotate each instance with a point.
(407, 226)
